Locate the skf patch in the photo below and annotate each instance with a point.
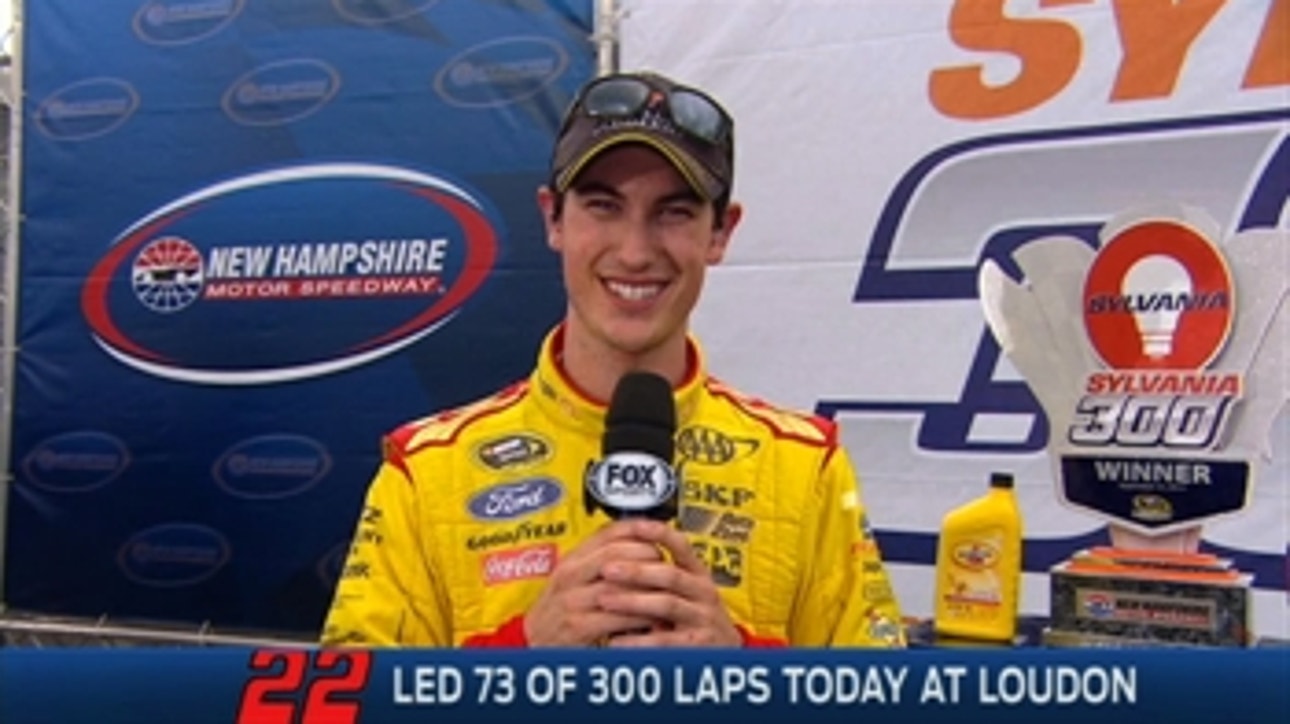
(724, 496)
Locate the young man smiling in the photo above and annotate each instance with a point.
(474, 532)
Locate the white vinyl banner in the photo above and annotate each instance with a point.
(888, 149)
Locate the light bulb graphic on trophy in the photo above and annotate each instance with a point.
(1157, 284)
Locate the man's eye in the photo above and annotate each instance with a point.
(601, 204)
(678, 213)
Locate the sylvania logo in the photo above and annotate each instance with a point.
(268, 278)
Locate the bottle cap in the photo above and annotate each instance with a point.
(1001, 480)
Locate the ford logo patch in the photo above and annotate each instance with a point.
(514, 500)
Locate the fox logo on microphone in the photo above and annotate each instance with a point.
(632, 484)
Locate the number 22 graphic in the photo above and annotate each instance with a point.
(331, 689)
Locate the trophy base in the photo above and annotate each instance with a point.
(1143, 598)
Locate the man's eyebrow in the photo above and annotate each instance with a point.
(687, 195)
(597, 187)
(683, 195)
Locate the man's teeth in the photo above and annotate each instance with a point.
(634, 292)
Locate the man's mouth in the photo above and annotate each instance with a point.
(634, 292)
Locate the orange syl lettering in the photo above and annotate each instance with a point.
(1049, 52)
(1157, 38)
(1270, 65)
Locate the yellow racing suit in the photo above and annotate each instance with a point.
(472, 508)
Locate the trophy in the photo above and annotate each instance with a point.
(1159, 359)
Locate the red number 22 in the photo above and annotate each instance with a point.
(330, 696)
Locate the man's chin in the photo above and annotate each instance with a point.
(634, 336)
(636, 344)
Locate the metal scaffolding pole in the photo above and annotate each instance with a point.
(605, 35)
(37, 631)
(11, 90)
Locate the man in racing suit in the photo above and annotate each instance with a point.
(475, 531)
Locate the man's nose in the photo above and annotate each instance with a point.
(636, 245)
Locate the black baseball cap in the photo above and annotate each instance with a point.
(686, 125)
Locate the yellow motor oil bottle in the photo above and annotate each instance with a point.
(978, 566)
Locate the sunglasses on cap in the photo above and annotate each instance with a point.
(692, 111)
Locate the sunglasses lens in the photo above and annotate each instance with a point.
(697, 115)
(617, 97)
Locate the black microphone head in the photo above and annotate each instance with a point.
(641, 417)
(635, 475)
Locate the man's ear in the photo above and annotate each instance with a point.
(547, 202)
(721, 235)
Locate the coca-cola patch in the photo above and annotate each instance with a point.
(507, 501)
(519, 563)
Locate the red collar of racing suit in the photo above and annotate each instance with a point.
(562, 402)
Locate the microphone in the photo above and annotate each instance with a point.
(635, 478)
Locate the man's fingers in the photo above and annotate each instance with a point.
(686, 623)
(592, 566)
(618, 530)
(653, 605)
(661, 638)
(596, 626)
(620, 584)
(660, 576)
(671, 540)
(629, 550)
(584, 563)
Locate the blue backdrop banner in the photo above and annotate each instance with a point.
(257, 234)
(925, 685)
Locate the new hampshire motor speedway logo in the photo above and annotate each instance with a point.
(272, 277)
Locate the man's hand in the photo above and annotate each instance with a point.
(679, 594)
(567, 613)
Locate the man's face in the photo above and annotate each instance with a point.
(635, 241)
